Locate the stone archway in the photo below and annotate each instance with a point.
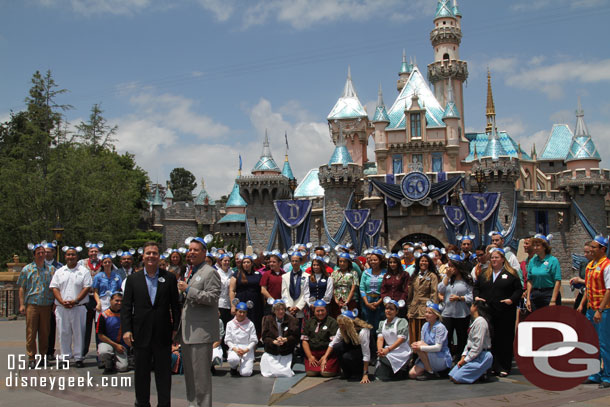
(417, 237)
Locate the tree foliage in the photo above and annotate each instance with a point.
(182, 183)
(94, 192)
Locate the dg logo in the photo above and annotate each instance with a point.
(556, 348)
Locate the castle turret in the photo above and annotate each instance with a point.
(446, 38)
(349, 114)
(259, 190)
(582, 152)
(405, 71)
(232, 225)
(287, 169)
(339, 178)
(169, 196)
(380, 122)
(494, 148)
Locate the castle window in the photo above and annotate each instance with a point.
(446, 56)
(397, 164)
(551, 164)
(415, 120)
(542, 222)
(437, 162)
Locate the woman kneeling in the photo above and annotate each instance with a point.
(433, 350)
(280, 336)
(317, 334)
(476, 359)
(394, 331)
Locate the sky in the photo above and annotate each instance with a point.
(196, 83)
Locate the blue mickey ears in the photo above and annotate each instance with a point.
(204, 241)
(546, 238)
(78, 249)
(97, 245)
(398, 304)
(350, 314)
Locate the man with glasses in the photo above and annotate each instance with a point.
(597, 298)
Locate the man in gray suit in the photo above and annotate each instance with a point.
(199, 324)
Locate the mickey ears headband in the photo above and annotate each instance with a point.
(326, 248)
(455, 257)
(471, 236)
(97, 245)
(398, 255)
(603, 241)
(350, 314)
(271, 301)
(125, 253)
(241, 256)
(33, 246)
(110, 255)
(546, 238)
(497, 249)
(296, 246)
(324, 259)
(495, 232)
(436, 307)
(223, 255)
(343, 255)
(296, 253)
(398, 304)
(204, 241)
(77, 249)
(242, 306)
(375, 250)
(343, 248)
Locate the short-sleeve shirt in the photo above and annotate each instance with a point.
(70, 282)
(35, 282)
(543, 273)
(109, 324)
(343, 282)
(106, 285)
(273, 282)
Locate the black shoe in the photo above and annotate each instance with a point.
(32, 364)
(79, 364)
(483, 378)
(427, 376)
(213, 369)
(589, 381)
(604, 385)
(234, 373)
(109, 370)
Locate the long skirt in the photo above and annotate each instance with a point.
(276, 365)
(471, 371)
(332, 363)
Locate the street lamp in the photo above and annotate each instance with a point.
(58, 233)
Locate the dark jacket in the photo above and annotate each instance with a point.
(150, 322)
(506, 286)
(290, 330)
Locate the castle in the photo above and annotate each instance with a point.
(561, 191)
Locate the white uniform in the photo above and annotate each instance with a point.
(303, 300)
(241, 335)
(71, 321)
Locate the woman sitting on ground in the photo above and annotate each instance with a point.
(280, 336)
(477, 358)
(394, 332)
(433, 350)
(317, 334)
(351, 344)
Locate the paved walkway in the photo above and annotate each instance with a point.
(296, 391)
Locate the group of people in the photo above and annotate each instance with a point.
(421, 313)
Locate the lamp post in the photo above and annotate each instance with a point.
(58, 233)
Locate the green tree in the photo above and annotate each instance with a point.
(182, 183)
(97, 193)
(96, 133)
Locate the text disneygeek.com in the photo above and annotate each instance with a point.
(16, 380)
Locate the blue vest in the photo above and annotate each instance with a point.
(318, 288)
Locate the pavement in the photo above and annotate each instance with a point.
(299, 390)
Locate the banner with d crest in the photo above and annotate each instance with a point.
(482, 210)
(293, 214)
(371, 232)
(356, 220)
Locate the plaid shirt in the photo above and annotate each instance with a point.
(35, 283)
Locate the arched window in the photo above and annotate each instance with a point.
(446, 56)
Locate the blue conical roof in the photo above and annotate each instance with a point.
(582, 146)
(169, 194)
(444, 9)
(201, 197)
(494, 147)
(235, 199)
(348, 106)
(287, 170)
(381, 115)
(340, 156)
(266, 162)
(456, 9)
(157, 199)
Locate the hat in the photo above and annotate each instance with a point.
(243, 306)
(33, 246)
(97, 245)
(398, 304)
(546, 238)
(320, 303)
(601, 240)
(397, 255)
(350, 314)
(77, 249)
(126, 253)
(435, 307)
(497, 249)
(203, 240)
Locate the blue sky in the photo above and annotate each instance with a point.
(194, 83)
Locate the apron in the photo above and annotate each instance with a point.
(399, 356)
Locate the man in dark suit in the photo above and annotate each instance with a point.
(199, 324)
(149, 318)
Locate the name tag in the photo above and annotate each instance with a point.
(504, 276)
(324, 327)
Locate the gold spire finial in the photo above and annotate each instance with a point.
(491, 109)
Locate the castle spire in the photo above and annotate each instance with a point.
(444, 9)
(491, 109)
(266, 161)
(455, 9)
(381, 114)
(348, 106)
(341, 155)
(451, 111)
(287, 170)
(582, 146)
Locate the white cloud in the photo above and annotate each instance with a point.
(538, 138)
(301, 14)
(309, 141)
(513, 125)
(221, 9)
(533, 5)
(550, 78)
(502, 65)
(564, 117)
(600, 133)
(91, 7)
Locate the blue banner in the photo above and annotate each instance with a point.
(373, 227)
(480, 207)
(356, 217)
(292, 213)
(455, 215)
(389, 178)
